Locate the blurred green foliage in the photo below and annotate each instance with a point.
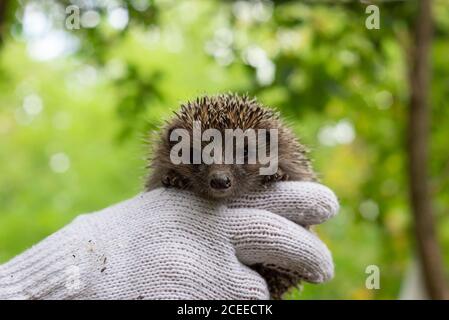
(72, 127)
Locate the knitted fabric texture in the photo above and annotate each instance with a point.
(171, 244)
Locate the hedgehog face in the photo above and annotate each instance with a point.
(212, 176)
(223, 179)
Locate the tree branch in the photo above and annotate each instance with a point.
(418, 131)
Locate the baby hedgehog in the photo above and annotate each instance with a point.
(218, 181)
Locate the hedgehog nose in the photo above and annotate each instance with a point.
(220, 181)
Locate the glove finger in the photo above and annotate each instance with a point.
(306, 203)
(261, 237)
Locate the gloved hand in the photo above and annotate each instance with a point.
(171, 244)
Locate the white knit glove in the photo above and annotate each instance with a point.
(171, 244)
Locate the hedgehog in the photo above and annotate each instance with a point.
(221, 181)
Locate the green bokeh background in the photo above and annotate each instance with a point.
(342, 87)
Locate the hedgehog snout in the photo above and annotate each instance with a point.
(220, 181)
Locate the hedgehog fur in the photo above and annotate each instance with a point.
(230, 111)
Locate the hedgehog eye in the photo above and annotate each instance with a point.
(192, 152)
(191, 155)
(195, 166)
(245, 151)
(267, 139)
